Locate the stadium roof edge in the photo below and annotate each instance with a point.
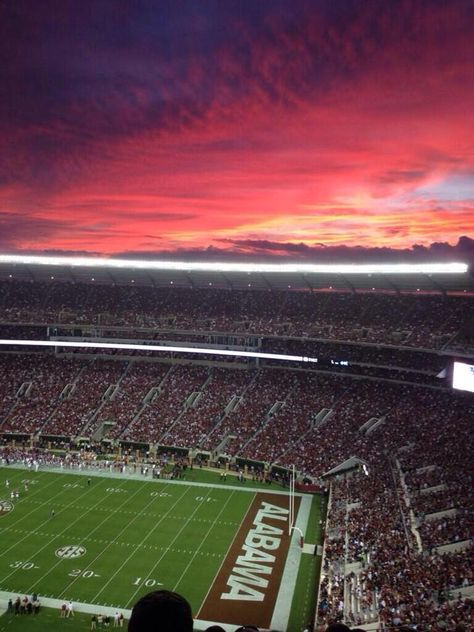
(436, 278)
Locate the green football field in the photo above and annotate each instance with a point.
(109, 542)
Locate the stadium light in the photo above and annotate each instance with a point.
(222, 266)
(142, 347)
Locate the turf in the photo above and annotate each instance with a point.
(137, 535)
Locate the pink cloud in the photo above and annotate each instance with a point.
(323, 132)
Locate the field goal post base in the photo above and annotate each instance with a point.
(291, 518)
(293, 528)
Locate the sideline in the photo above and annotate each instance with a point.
(146, 479)
(281, 611)
(50, 602)
(90, 608)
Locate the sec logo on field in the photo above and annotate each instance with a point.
(70, 552)
(5, 507)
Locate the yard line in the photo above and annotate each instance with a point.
(137, 515)
(47, 502)
(214, 523)
(132, 513)
(227, 553)
(166, 550)
(38, 491)
(144, 540)
(112, 512)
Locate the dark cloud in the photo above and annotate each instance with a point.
(400, 176)
(15, 229)
(109, 209)
(463, 251)
(266, 251)
(122, 67)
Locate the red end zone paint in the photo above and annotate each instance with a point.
(245, 589)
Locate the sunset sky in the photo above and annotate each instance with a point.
(249, 126)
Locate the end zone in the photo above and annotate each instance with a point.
(246, 587)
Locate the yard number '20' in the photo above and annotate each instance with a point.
(78, 572)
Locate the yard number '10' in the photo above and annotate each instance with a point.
(149, 583)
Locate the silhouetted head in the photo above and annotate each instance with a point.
(161, 611)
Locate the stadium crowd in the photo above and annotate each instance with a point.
(411, 320)
(399, 567)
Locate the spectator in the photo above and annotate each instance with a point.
(161, 611)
